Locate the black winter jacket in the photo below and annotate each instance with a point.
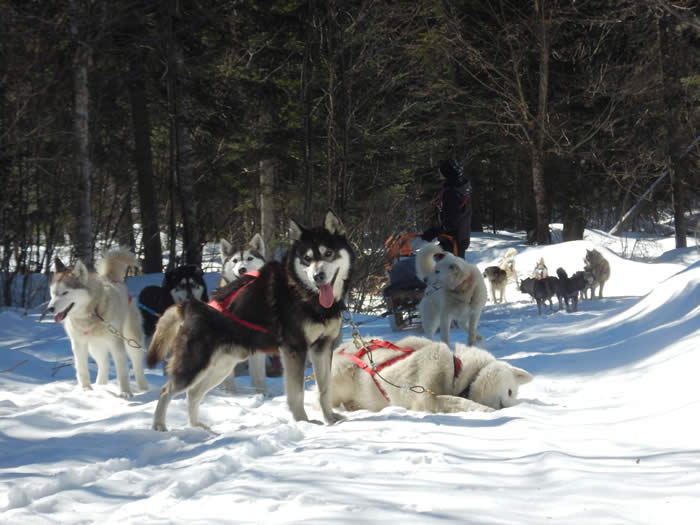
(454, 208)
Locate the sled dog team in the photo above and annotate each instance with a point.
(292, 307)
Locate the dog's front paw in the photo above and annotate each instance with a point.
(87, 387)
(144, 386)
(159, 427)
(205, 427)
(333, 418)
(126, 394)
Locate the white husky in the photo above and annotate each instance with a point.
(235, 264)
(471, 379)
(455, 291)
(93, 306)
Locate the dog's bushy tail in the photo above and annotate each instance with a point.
(561, 273)
(425, 260)
(114, 264)
(166, 331)
(510, 253)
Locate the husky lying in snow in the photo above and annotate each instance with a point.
(236, 263)
(89, 304)
(455, 291)
(471, 379)
(295, 305)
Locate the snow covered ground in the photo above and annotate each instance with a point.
(606, 433)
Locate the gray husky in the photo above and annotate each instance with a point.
(235, 263)
(93, 306)
(295, 305)
(599, 269)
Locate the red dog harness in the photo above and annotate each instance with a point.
(405, 352)
(223, 306)
(357, 359)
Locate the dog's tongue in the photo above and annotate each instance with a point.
(59, 317)
(325, 297)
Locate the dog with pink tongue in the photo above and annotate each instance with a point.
(293, 306)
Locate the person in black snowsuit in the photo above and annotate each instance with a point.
(453, 208)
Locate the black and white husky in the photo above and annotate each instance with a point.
(295, 305)
(182, 283)
(235, 264)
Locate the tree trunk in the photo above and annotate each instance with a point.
(81, 136)
(460, 143)
(542, 235)
(183, 157)
(541, 204)
(267, 205)
(143, 159)
(306, 76)
(669, 65)
(331, 145)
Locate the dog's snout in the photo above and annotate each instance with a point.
(320, 277)
(49, 310)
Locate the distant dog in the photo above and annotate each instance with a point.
(455, 291)
(470, 379)
(540, 271)
(507, 263)
(179, 284)
(572, 286)
(295, 305)
(599, 268)
(92, 306)
(542, 290)
(497, 279)
(236, 263)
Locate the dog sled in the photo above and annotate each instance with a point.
(404, 290)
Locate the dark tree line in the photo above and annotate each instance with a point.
(186, 118)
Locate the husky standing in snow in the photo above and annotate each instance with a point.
(91, 305)
(295, 305)
(599, 269)
(455, 291)
(235, 264)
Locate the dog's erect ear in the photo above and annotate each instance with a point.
(80, 272)
(60, 267)
(225, 248)
(333, 224)
(521, 376)
(295, 230)
(257, 244)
